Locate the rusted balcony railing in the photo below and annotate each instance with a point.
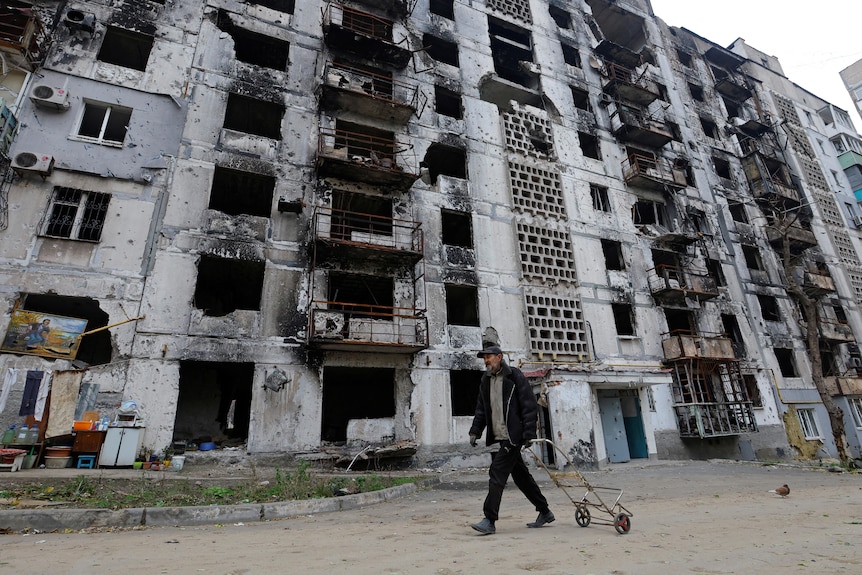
(345, 325)
(361, 156)
(640, 126)
(629, 85)
(649, 171)
(703, 420)
(368, 231)
(685, 345)
(358, 21)
(369, 93)
(669, 280)
(362, 33)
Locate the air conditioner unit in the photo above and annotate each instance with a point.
(46, 96)
(42, 164)
(606, 100)
(77, 20)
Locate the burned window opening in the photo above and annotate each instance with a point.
(126, 48)
(752, 258)
(355, 393)
(722, 168)
(680, 321)
(286, 6)
(696, 92)
(226, 285)
(254, 48)
(786, 363)
(733, 108)
(730, 328)
(562, 18)
(752, 389)
(93, 349)
(571, 55)
(623, 319)
(365, 142)
(613, 252)
(361, 295)
(737, 212)
(441, 50)
(448, 102)
(456, 228)
(581, 99)
(464, 391)
(600, 198)
(769, 307)
(828, 365)
(214, 402)
(253, 116)
(710, 130)
(715, 272)
(76, 214)
(360, 213)
(510, 46)
(441, 159)
(235, 192)
(589, 145)
(444, 8)
(462, 305)
(645, 212)
(684, 58)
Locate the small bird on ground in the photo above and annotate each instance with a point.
(783, 491)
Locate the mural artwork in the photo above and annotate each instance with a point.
(43, 334)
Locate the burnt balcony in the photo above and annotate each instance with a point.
(397, 8)
(835, 331)
(368, 93)
(799, 237)
(363, 34)
(816, 283)
(346, 326)
(732, 88)
(640, 127)
(672, 284)
(686, 345)
(362, 154)
(23, 36)
(650, 172)
(627, 84)
(346, 232)
(705, 420)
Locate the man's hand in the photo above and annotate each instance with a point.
(527, 443)
(473, 439)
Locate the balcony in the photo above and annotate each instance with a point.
(817, 283)
(836, 331)
(671, 284)
(638, 126)
(800, 238)
(680, 345)
(626, 84)
(364, 35)
(344, 232)
(651, 172)
(849, 159)
(368, 93)
(362, 154)
(704, 420)
(361, 327)
(849, 384)
(23, 36)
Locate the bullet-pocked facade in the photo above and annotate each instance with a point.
(297, 222)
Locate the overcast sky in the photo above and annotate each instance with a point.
(814, 41)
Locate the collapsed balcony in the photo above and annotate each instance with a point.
(835, 331)
(361, 233)
(627, 84)
(769, 180)
(674, 285)
(639, 126)
(652, 172)
(368, 92)
(345, 326)
(363, 154)
(363, 34)
(816, 283)
(798, 236)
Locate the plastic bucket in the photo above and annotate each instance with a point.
(177, 462)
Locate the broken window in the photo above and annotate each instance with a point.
(696, 92)
(737, 212)
(253, 48)
(94, 348)
(360, 213)
(441, 159)
(225, 285)
(253, 116)
(709, 127)
(684, 58)
(752, 389)
(613, 252)
(104, 124)
(235, 192)
(510, 46)
(769, 307)
(730, 328)
(646, 212)
(444, 8)
(715, 272)
(441, 50)
(362, 295)
(125, 48)
(599, 195)
(464, 390)
(462, 305)
(571, 55)
(623, 319)
(456, 229)
(76, 214)
(214, 402)
(840, 314)
(680, 321)
(732, 107)
(752, 258)
(581, 99)
(562, 18)
(447, 102)
(355, 393)
(786, 363)
(589, 145)
(722, 168)
(286, 6)
(366, 142)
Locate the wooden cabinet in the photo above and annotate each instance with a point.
(88, 441)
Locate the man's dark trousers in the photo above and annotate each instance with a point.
(504, 462)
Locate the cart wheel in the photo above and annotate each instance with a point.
(582, 515)
(622, 523)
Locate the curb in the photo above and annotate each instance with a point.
(46, 520)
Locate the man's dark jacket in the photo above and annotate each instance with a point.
(521, 407)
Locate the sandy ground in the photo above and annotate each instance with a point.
(692, 517)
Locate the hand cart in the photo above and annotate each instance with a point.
(618, 516)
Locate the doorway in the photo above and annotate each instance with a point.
(622, 425)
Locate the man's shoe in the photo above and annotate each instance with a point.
(542, 519)
(485, 527)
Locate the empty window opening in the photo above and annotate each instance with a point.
(286, 6)
(696, 92)
(253, 48)
(125, 48)
(235, 192)
(355, 393)
(93, 349)
(226, 285)
(510, 46)
(840, 314)
(716, 272)
(562, 18)
(709, 128)
(737, 212)
(613, 252)
(589, 145)
(828, 365)
(360, 213)
(769, 307)
(444, 8)
(214, 402)
(786, 362)
(733, 108)
(581, 99)
(624, 319)
(441, 50)
(808, 423)
(462, 305)
(680, 321)
(464, 390)
(600, 198)
(648, 213)
(104, 124)
(447, 102)
(752, 389)
(253, 116)
(76, 214)
(571, 55)
(722, 168)
(361, 295)
(456, 229)
(684, 58)
(441, 159)
(752, 258)
(366, 142)
(730, 328)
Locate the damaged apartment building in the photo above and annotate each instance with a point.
(289, 226)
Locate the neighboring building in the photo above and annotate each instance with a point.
(297, 222)
(852, 78)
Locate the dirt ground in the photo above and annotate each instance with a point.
(688, 517)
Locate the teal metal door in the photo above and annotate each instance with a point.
(613, 426)
(634, 424)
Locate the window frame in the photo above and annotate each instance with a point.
(855, 405)
(808, 423)
(106, 125)
(86, 204)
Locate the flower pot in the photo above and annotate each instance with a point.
(137, 465)
(146, 464)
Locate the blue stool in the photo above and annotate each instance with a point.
(86, 461)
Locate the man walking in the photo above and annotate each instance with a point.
(507, 408)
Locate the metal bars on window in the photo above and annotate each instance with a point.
(76, 214)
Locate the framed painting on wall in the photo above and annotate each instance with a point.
(44, 334)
